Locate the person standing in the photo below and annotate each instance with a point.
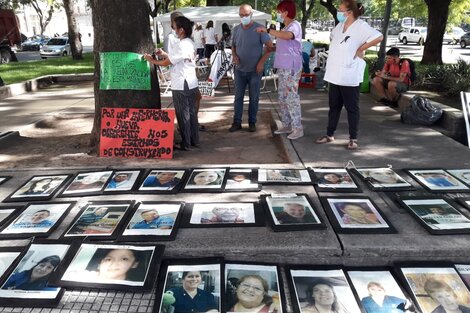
(198, 34)
(210, 40)
(171, 39)
(288, 61)
(345, 68)
(248, 58)
(184, 83)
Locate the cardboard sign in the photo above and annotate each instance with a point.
(137, 133)
(206, 88)
(124, 70)
(221, 63)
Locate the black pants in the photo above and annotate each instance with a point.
(185, 109)
(349, 97)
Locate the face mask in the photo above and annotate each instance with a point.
(341, 17)
(245, 20)
(279, 18)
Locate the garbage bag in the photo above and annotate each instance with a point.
(421, 112)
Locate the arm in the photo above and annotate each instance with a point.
(264, 57)
(367, 45)
(150, 59)
(279, 34)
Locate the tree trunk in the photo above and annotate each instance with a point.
(438, 11)
(328, 4)
(306, 12)
(74, 35)
(383, 44)
(118, 31)
(217, 2)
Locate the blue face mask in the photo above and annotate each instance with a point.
(279, 18)
(245, 20)
(341, 17)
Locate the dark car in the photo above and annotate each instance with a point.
(34, 43)
(465, 40)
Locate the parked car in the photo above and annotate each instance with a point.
(34, 43)
(413, 34)
(56, 47)
(465, 40)
(453, 37)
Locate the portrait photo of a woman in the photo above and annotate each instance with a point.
(206, 179)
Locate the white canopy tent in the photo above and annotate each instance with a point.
(219, 15)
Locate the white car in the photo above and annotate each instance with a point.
(413, 34)
(56, 47)
(453, 37)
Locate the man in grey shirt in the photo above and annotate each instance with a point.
(248, 58)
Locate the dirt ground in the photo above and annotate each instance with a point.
(62, 140)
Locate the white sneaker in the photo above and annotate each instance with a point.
(283, 130)
(296, 133)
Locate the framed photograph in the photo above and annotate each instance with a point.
(223, 214)
(163, 181)
(206, 180)
(41, 188)
(334, 179)
(29, 282)
(8, 256)
(437, 289)
(437, 215)
(284, 176)
(121, 266)
(36, 220)
(99, 219)
(242, 179)
(438, 180)
(152, 221)
(290, 212)
(383, 178)
(379, 291)
(87, 183)
(253, 285)
(200, 278)
(122, 181)
(356, 215)
(464, 271)
(462, 175)
(465, 201)
(4, 179)
(6, 213)
(328, 288)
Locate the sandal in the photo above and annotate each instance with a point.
(324, 139)
(352, 145)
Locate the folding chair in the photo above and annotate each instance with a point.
(164, 76)
(268, 71)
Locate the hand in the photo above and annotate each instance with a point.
(235, 59)
(259, 68)
(359, 54)
(261, 30)
(148, 57)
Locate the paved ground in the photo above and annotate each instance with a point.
(383, 141)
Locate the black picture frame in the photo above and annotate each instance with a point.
(284, 176)
(204, 212)
(433, 223)
(3, 179)
(242, 180)
(440, 177)
(383, 179)
(303, 278)
(98, 181)
(341, 180)
(37, 251)
(171, 209)
(171, 278)
(83, 267)
(464, 201)
(8, 258)
(438, 275)
(149, 184)
(125, 186)
(461, 174)
(206, 180)
(252, 275)
(44, 227)
(275, 207)
(56, 180)
(384, 278)
(344, 222)
(105, 225)
(7, 212)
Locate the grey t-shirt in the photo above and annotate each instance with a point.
(249, 46)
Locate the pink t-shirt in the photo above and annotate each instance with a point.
(289, 52)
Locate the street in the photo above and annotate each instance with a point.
(25, 56)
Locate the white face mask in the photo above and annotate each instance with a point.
(245, 20)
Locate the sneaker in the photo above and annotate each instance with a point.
(235, 127)
(324, 139)
(352, 145)
(252, 127)
(296, 133)
(284, 130)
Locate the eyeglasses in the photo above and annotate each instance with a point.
(245, 15)
(340, 11)
(257, 289)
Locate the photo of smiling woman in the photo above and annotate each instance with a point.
(206, 179)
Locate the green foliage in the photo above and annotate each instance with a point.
(21, 71)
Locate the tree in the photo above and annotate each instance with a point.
(217, 2)
(438, 11)
(44, 17)
(306, 12)
(386, 22)
(328, 4)
(74, 36)
(117, 30)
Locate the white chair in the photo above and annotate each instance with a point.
(164, 77)
(268, 72)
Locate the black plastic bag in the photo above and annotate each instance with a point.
(421, 112)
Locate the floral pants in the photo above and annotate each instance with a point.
(289, 99)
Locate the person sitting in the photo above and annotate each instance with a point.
(393, 79)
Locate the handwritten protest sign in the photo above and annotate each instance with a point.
(206, 88)
(137, 133)
(124, 70)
